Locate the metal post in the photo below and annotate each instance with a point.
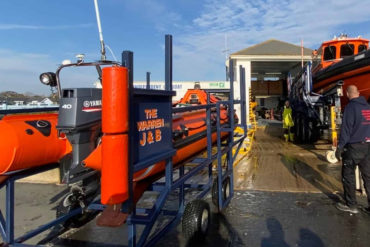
(168, 72)
(182, 188)
(168, 62)
(128, 62)
(132, 235)
(231, 115)
(209, 129)
(10, 211)
(169, 173)
(230, 158)
(231, 76)
(334, 135)
(147, 80)
(209, 137)
(242, 98)
(219, 158)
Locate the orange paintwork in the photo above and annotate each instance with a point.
(114, 174)
(359, 76)
(337, 43)
(195, 123)
(115, 100)
(23, 146)
(115, 109)
(198, 94)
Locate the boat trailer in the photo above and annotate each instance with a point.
(155, 104)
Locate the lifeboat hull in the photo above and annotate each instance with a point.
(187, 146)
(30, 140)
(353, 70)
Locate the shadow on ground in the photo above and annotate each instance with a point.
(276, 236)
(300, 169)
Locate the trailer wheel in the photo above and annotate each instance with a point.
(196, 220)
(226, 188)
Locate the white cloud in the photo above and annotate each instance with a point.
(37, 27)
(199, 50)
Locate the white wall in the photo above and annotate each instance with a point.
(182, 86)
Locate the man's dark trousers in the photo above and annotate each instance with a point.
(355, 154)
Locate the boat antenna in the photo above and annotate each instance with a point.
(102, 51)
(226, 50)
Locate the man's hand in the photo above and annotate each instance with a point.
(338, 153)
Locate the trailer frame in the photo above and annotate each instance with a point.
(144, 216)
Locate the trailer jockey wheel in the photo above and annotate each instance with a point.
(196, 220)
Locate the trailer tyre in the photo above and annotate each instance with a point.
(196, 220)
(226, 188)
(215, 192)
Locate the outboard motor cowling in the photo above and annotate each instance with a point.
(80, 120)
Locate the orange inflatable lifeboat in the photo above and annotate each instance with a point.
(191, 122)
(30, 140)
(189, 138)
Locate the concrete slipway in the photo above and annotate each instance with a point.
(285, 197)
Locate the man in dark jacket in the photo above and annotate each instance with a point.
(354, 148)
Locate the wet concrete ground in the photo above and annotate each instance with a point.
(275, 165)
(35, 205)
(260, 218)
(285, 197)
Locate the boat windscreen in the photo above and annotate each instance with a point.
(347, 50)
(329, 53)
(362, 48)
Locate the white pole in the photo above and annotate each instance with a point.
(103, 57)
(302, 51)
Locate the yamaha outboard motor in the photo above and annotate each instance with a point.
(80, 120)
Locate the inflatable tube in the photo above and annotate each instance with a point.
(29, 141)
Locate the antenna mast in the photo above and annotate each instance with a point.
(226, 49)
(102, 51)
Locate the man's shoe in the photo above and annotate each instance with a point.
(343, 207)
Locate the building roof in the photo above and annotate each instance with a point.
(274, 47)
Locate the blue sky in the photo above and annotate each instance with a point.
(35, 36)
